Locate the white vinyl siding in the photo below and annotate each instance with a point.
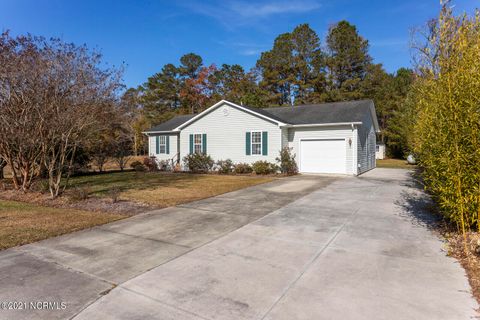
(344, 133)
(284, 137)
(163, 156)
(226, 131)
(366, 143)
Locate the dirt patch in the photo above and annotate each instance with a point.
(468, 253)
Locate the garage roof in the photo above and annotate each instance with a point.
(335, 112)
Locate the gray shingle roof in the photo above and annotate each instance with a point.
(171, 124)
(334, 112)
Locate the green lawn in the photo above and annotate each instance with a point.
(163, 189)
(22, 223)
(394, 163)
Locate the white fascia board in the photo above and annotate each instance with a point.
(374, 117)
(149, 132)
(221, 102)
(321, 124)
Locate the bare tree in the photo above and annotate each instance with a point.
(123, 148)
(3, 163)
(21, 73)
(52, 95)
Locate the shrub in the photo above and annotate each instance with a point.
(198, 162)
(264, 167)
(243, 168)
(225, 166)
(41, 185)
(135, 164)
(163, 165)
(150, 163)
(288, 165)
(114, 194)
(80, 193)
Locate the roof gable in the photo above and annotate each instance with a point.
(254, 111)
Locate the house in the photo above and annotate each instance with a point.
(335, 137)
(380, 151)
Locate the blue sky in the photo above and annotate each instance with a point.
(145, 35)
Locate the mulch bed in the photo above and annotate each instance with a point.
(468, 253)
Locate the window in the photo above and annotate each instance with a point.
(197, 143)
(162, 144)
(256, 143)
(377, 148)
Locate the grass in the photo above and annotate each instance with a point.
(22, 223)
(394, 163)
(164, 189)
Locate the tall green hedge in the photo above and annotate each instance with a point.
(446, 133)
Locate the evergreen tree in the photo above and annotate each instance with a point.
(161, 93)
(308, 64)
(277, 71)
(191, 64)
(238, 86)
(347, 63)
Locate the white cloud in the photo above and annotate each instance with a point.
(240, 12)
(244, 48)
(251, 52)
(389, 43)
(248, 10)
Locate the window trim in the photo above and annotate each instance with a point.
(201, 142)
(164, 144)
(260, 143)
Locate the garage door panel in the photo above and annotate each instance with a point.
(323, 156)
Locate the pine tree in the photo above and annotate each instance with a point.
(347, 63)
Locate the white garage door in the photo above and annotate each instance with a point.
(323, 156)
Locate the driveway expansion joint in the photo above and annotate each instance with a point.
(309, 263)
(145, 238)
(69, 268)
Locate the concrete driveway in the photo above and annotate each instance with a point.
(81, 267)
(298, 248)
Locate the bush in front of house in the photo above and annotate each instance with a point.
(288, 165)
(225, 166)
(198, 162)
(135, 164)
(242, 168)
(264, 167)
(163, 165)
(150, 163)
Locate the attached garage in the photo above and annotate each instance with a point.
(323, 156)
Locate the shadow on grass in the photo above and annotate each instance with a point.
(101, 184)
